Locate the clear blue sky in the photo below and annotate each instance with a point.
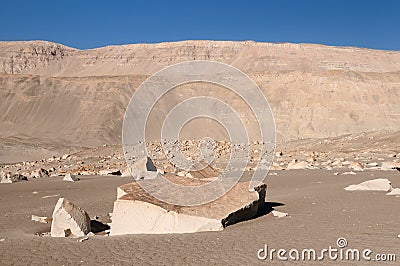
(87, 24)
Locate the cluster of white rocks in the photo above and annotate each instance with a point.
(316, 160)
(110, 161)
(158, 217)
(11, 178)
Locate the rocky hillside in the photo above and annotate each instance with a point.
(55, 94)
(50, 59)
(21, 57)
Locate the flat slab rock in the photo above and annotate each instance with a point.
(380, 184)
(137, 212)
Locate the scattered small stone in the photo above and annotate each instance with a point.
(70, 178)
(43, 220)
(349, 173)
(182, 173)
(51, 196)
(279, 214)
(12, 178)
(45, 234)
(40, 173)
(356, 166)
(110, 172)
(83, 239)
(294, 165)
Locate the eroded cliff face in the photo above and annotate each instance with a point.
(21, 57)
(78, 97)
(51, 59)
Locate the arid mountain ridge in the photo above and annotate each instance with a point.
(54, 94)
(51, 59)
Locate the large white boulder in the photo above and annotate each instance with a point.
(138, 217)
(69, 220)
(137, 212)
(380, 184)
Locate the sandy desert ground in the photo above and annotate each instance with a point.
(337, 119)
(320, 211)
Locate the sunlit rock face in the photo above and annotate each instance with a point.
(69, 220)
(136, 212)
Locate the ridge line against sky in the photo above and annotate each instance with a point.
(93, 24)
(178, 41)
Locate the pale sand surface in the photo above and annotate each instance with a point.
(320, 211)
(333, 107)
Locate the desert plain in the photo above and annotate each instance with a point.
(337, 122)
